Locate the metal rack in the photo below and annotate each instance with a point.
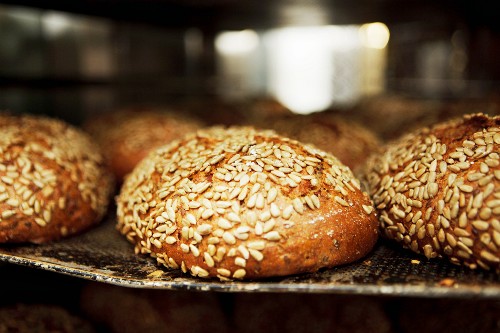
(103, 255)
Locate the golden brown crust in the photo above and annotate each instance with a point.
(438, 192)
(53, 182)
(237, 203)
(126, 136)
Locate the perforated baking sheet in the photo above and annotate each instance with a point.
(103, 255)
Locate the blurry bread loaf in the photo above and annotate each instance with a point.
(133, 310)
(450, 315)
(437, 191)
(263, 110)
(393, 115)
(126, 136)
(304, 313)
(220, 112)
(53, 180)
(42, 318)
(349, 141)
(239, 203)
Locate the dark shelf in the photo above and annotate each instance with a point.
(223, 14)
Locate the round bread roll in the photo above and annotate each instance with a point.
(437, 191)
(349, 141)
(53, 181)
(263, 110)
(126, 136)
(239, 203)
(392, 115)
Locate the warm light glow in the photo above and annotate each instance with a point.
(55, 23)
(375, 35)
(306, 68)
(236, 42)
(238, 63)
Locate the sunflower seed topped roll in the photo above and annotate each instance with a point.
(438, 191)
(53, 180)
(237, 203)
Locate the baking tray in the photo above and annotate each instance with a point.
(103, 255)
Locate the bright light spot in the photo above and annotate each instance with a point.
(375, 35)
(55, 23)
(306, 68)
(300, 68)
(236, 42)
(238, 63)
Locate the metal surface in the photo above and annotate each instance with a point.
(103, 255)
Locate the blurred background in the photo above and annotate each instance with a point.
(74, 58)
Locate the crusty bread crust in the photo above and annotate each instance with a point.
(437, 191)
(239, 203)
(53, 181)
(126, 136)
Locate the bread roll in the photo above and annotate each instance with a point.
(219, 112)
(447, 315)
(53, 181)
(349, 141)
(239, 203)
(133, 310)
(305, 313)
(42, 318)
(263, 110)
(392, 115)
(437, 191)
(126, 136)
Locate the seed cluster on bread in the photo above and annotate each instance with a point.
(237, 203)
(127, 135)
(437, 191)
(53, 182)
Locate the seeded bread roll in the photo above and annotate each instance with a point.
(238, 203)
(437, 191)
(126, 136)
(53, 182)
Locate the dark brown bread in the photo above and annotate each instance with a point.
(126, 136)
(437, 191)
(349, 141)
(134, 310)
(447, 315)
(53, 181)
(41, 318)
(305, 313)
(220, 112)
(239, 203)
(392, 115)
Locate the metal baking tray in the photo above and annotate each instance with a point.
(103, 255)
